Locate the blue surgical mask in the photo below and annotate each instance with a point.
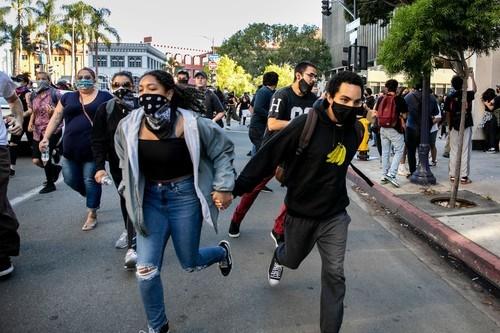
(84, 84)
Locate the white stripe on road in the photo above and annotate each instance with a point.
(29, 194)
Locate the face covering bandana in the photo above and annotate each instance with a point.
(42, 85)
(160, 118)
(84, 84)
(126, 98)
(304, 87)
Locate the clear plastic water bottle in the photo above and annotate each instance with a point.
(45, 156)
(106, 180)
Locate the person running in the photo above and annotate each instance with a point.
(9, 238)
(243, 107)
(286, 104)
(173, 160)
(23, 89)
(78, 109)
(316, 196)
(41, 104)
(106, 121)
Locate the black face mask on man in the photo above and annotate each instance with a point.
(304, 87)
(346, 115)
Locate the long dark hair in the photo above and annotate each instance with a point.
(187, 97)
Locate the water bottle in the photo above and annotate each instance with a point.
(106, 180)
(45, 156)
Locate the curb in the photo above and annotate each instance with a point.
(476, 257)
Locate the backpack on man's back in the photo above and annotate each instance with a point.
(386, 112)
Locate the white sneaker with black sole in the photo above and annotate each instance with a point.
(130, 260)
(6, 267)
(392, 180)
(122, 241)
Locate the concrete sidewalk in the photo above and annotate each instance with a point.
(470, 234)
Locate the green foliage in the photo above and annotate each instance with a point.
(262, 44)
(233, 77)
(440, 28)
(285, 74)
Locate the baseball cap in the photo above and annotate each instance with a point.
(202, 74)
(20, 78)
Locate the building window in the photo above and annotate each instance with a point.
(135, 61)
(25, 57)
(102, 61)
(117, 61)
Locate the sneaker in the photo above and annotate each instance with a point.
(491, 151)
(6, 267)
(49, 187)
(383, 180)
(164, 329)
(227, 263)
(266, 189)
(12, 172)
(130, 260)
(122, 242)
(57, 169)
(277, 238)
(403, 170)
(275, 272)
(432, 163)
(234, 230)
(446, 155)
(392, 180)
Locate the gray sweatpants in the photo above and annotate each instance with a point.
(331, 237)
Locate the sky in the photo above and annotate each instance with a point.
(195, 23)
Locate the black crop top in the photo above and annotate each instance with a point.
(164, 159)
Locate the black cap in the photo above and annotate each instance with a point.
(20, 78)
(201, 73)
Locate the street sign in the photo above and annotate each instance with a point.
(213, 57)
(353, 25)
(353, 36)
(212, 65)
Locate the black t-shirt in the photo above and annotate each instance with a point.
(286, 105)
(453, 105)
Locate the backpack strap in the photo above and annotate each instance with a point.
(110, 106)
(307, 132)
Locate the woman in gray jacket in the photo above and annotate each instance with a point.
(177, 172)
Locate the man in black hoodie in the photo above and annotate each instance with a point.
(316, 189)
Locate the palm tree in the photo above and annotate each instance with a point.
(23, 11)
(77, 17)
(4, 27)
(99, 30)
(47, 18)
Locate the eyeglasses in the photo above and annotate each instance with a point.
(312, 75)
(116, 85)
(84, 77)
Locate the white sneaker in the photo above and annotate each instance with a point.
(403, 170)
(122, 242)
(130, 259)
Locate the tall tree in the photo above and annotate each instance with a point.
(262, 44)
(77, 17)
(233, 77)
(23, 11)
(47, 19)
(100, 31)
(450, 30)
(285, 74)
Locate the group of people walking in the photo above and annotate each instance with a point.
(172, 165)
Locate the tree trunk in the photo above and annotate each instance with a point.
(49, 48)
(464, 71)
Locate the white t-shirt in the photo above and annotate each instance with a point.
(7, 89)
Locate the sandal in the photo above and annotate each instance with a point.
(452, 179)
(465, 180)
(91, 221)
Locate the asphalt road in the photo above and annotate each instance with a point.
(67, 280)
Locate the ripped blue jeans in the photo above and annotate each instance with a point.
(170, 209)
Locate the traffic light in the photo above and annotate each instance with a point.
(347, 62)
(362, 58)
(326, 9)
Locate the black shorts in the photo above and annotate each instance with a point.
(35, 150)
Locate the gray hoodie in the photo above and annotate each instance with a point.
(212, 154)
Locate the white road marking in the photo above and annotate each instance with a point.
(29, 194)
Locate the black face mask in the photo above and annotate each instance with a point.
(304, 87)
(152, 102)
(346, 115)
(122, 92)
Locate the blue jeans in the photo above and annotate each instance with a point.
(80, 177)
(392, 137)
(170, 209)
